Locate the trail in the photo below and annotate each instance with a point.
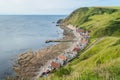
(92, 45)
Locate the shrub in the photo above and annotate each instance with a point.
(116, 43)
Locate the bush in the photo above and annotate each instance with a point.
(116, 43)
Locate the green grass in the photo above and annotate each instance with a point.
(63, 71)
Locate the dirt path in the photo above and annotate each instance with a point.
(92, 45)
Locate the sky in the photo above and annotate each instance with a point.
(50, 7)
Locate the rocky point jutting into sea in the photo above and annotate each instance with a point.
(29, 63)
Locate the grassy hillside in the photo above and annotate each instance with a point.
(102, 60)
(100, 21)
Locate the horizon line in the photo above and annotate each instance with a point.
(34, 14)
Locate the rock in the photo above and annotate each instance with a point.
(59, 21)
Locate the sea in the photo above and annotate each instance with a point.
(19, 33)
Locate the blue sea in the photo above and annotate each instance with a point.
(18, 33)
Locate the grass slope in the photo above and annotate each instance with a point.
(101, 61)
(100, 21)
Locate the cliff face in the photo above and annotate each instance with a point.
(99, 20)
(101, 59)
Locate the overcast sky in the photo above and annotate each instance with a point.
(49, 6)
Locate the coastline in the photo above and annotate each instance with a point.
(29, 63)
(79, 43)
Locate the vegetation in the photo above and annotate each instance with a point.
(102, 60)
(63, 71)
(100, 21)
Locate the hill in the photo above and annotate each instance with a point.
(101, 21)
(100, 60)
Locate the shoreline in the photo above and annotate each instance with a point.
(79, 43)
(29, 63)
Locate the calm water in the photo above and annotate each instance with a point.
(20, 33)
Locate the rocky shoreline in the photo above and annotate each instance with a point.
(79, 43)
(30, 62)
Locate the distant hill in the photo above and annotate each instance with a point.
(101, 58)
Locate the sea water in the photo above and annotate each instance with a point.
(18, 33)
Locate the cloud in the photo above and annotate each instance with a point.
(44, 6)
(26, 6)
